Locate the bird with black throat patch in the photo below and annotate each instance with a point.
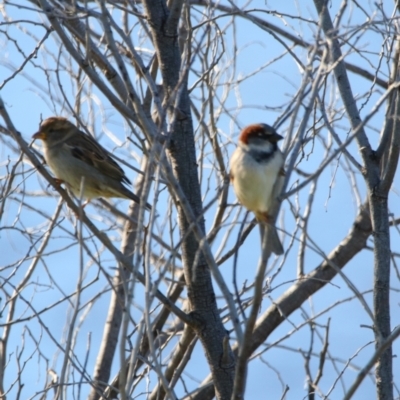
(257, 175)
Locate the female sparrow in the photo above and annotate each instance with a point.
(257, 175)
(71, 155)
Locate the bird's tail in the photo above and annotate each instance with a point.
(273, 239)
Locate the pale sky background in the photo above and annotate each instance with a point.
(333, 213)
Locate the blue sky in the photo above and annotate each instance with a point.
(272, 79)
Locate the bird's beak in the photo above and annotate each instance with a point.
(39, 135)
(275, 137)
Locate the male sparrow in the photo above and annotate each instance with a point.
(257, 175)
(72, 154)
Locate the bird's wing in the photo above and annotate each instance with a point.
(86, 149)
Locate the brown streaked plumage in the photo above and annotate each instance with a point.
(72, 155)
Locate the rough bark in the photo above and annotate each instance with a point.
(182, 155)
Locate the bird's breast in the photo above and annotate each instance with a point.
(254, 181)
(71, 170)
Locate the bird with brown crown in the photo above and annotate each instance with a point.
(257, 175)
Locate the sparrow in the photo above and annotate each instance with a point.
(257, 175)
(72, 154)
